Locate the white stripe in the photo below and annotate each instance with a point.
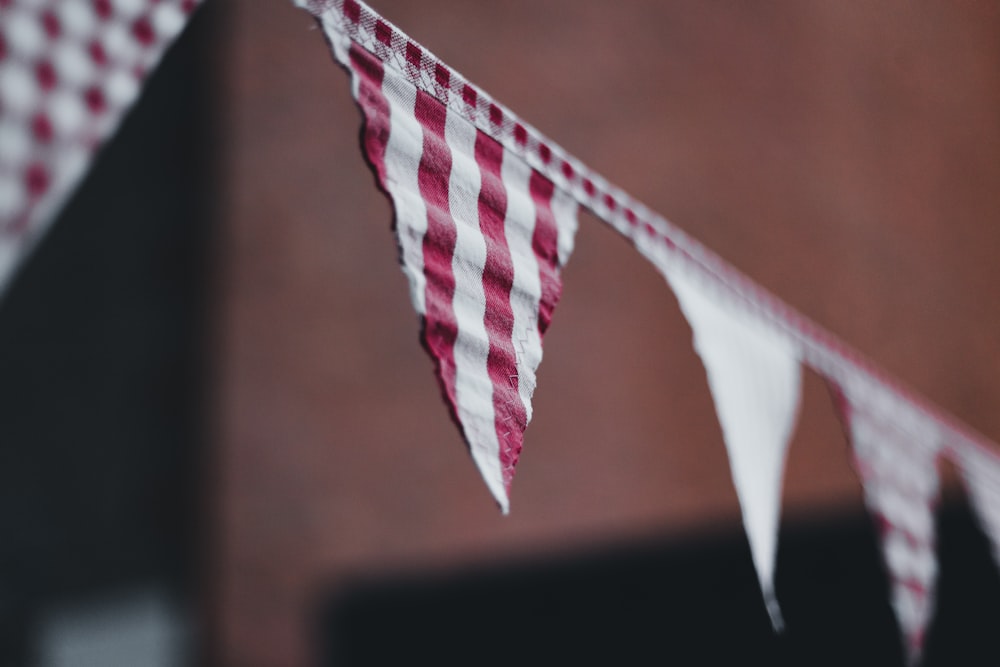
(901, 510)
(913, 611)
(893, 457)
(402, 164)
(564, 209)
(910, 562)
(339, 41)
(473, 388)
(519, 229)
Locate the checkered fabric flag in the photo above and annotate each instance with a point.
(69, 70)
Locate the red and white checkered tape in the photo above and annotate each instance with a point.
(69, 69)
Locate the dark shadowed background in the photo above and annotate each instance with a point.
(216, 411)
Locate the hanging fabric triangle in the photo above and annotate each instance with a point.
(69, 72)
(896, 454)
(754, 376)
(482, 235)
(485, 218)
(981, 472)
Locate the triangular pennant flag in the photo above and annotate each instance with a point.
(755, 377)
(482, 235)
(69, 70)
(981, 472)
(896, 456)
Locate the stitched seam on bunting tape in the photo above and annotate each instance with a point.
(820, 349)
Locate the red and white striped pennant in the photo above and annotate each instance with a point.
(69, 70)
(482, 235)
(898, 466)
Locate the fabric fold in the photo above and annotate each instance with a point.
(754, 376)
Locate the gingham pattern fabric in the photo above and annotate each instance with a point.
(69, 69)
(898, 467)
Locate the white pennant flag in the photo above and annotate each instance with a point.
(755, 378)
(981, 472)
(896, 457)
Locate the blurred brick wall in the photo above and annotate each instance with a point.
(844, 156)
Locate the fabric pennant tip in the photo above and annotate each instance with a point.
(774, 611)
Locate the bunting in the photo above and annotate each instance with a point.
(485, 217)
(751, 343)
(69, 70)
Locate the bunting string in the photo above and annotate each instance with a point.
(485, 218)
(750, 341)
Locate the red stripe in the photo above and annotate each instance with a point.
(545, 243)
(374, 105)
(442, 76)
(433, 176)
(510, 416)
(915, 585)
(439, 326)
(352, 10)
(383, 32)
(414, 54)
